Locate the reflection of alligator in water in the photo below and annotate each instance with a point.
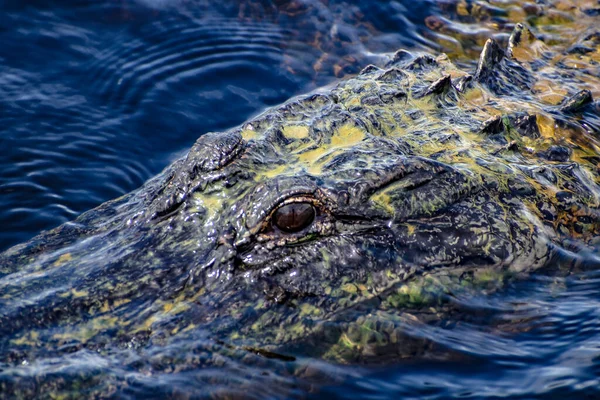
(309, 229)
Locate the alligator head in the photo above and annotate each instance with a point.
(311, 228)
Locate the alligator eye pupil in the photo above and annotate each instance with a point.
(294, 217)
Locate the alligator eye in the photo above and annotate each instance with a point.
(294, 217)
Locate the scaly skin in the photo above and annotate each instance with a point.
(422, 177)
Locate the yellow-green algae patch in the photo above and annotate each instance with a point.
(308, 309)
(345, 136)
(212, 204)
(249, 134)
(295, 132)
(28, 339)
(84, 332)
(279, 170)
(74, 293)
(64, 258)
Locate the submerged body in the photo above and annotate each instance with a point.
(310, 229)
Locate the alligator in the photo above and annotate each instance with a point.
(311, 229)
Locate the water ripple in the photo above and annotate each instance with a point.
(124, 74)
(98, 96)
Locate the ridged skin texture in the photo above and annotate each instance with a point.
(424, 179)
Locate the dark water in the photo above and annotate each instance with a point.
(98, 96)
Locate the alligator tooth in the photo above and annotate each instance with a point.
(577, 101)
(491, 55)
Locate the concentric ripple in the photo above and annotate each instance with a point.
(175, 48)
